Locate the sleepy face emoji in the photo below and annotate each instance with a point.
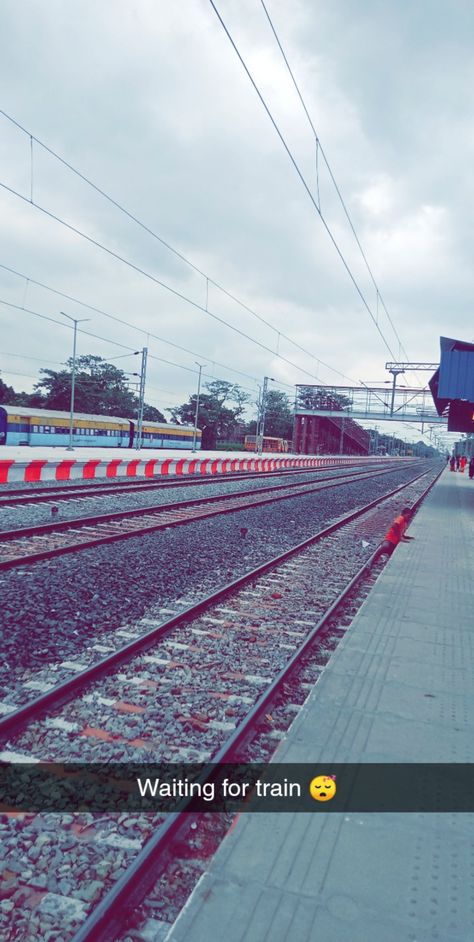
(323, 787)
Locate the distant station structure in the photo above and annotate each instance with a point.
(452, 385)
(318, 430)
(325, 416)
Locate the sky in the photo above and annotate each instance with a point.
(150, 102)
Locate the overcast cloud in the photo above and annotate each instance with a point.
(149, 100)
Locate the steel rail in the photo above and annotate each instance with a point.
(24, 495)
(58, 525)
(231, 503)
(13, 722)
(145, 869)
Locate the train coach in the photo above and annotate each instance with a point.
(269, 443)
(23, 426)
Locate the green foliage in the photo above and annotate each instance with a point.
(7, 393)
(100, 389)
(278, 415)
(216, 419)
(320, 397)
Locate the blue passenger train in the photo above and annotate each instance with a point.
(30, 426)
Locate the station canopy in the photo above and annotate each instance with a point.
(452, 386)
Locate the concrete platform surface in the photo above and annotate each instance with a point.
(399, 688)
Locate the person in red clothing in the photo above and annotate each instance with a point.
(395, 534)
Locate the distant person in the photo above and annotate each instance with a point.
(452, 463)
(395, 534)
(462, 463)
(471, 467)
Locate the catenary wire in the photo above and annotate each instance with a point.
(157, 281)
(89, 333)
(120, 320)
(150, 231)
(331, 174)
(303, 179)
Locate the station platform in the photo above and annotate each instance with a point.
(32, 464)
(399, 688)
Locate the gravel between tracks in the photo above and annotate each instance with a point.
(52, 610)
(57, 869)
(30, 515)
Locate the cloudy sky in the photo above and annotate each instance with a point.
(150, 102)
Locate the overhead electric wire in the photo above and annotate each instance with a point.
(343, 204)
(120, 320)
(14, 373)
(162, 284)
(45, 317)
(88, 333)
(125, 323)
(166, 244)
(23, 356)
(302, 178)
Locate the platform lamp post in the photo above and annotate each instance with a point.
(196, 414)
(75, 321)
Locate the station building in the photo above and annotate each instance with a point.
(452, 385)
(316, 434)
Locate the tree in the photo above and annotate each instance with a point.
(216, 419)
(7, 393)
(322, 397)
(100, 389)
(278, 415)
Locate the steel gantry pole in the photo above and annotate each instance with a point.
(263, 409)
(75, 321)
(141, 400)
(196, 414)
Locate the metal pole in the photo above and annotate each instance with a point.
(341, 439)
(141, 401)
(259, 409)
(261, 419)
(75, 321)
(294, 435)
(393, 392)
(73, 387)
(196, 414)
(394, 373)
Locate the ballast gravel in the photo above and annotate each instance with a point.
(55, 609)
(30, 515)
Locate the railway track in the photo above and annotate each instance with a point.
(13, 497)
(256, 632)
(27, 545)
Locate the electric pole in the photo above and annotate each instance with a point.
(196, 414)
(262, 411)
(141, 399)
(75, 321)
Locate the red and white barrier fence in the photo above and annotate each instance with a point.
(82, 468)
